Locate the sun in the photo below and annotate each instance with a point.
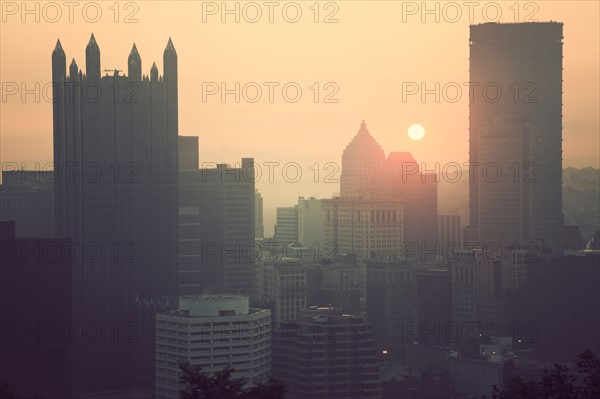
(416, 132)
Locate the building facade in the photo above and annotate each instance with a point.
(515, 139)
(212, 331)
(115, 189)
(286, 229)
(27, 198)
(217, 227)
(326, 354)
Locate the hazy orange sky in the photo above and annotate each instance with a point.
(368, 54)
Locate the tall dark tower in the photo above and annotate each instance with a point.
(134, 65)
(92, 60)
(515, 128)
(119, 205)
(59, 75)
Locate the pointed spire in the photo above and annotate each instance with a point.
(170, 47)
(134, 64)
(58, 48)
(154, 72)
(92, 60)
(363, 127)
(92, 43)
(59, 63)
(73, 70)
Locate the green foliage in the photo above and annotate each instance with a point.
(222, 385)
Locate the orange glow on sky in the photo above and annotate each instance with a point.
(366, 55)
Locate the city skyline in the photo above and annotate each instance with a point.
(300, 200)
(258, 53)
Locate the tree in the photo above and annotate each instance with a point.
(557, 383)
(6, 392)
(200, 385)
(271, 389)
(589, 366)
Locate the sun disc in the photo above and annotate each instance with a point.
(416, 132)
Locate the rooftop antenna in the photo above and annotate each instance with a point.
(115, 71)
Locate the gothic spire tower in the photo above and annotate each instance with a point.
(170, 77)
(131, 136)
(92, 60)
(134, 64)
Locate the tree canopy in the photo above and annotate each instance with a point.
(558, 383)
(222, 385)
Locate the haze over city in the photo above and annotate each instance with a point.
(372, 49)
(299, 200)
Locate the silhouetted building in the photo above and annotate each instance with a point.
(35, 314)
(391, 310)
(259, 231)
(326, 354)
(286, 229)
(27, 197)
(474, 377)
(311, 224)
(282, 287)
(434, 305)
(463, 270)
(116, 164)
(188, 152)
(450, 235)
(560, 306)
(335, 283)
(515, 133)
(217, 224)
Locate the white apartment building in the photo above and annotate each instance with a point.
(213, 331)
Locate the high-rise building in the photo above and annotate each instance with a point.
(282, 287)
(335, 283)
(450, 234)
(35, 314)
(311, 223)
(116, 163)
(560, 306)
(188, 152)
(286, 229)
(213, 332)
(326, 354)
(259, 231)
(463, 270)
(391, 310)
(27, 197)
(515, 133)
(434, 305)
(384, 204)
(217, 225)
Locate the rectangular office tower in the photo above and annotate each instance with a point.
(217, 228)
(116, 164)
(515, 133)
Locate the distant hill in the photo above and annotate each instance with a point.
(581, 199)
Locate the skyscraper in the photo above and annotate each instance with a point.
(116, 163)
(36, 328)
(515, 133)
(259, 227)
(326, 354)
(286, 229)
(217, 227)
